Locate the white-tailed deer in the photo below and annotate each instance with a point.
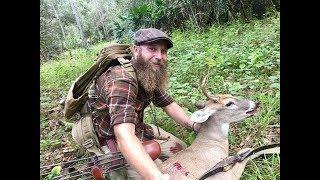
(211, 144)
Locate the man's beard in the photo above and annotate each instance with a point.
(149, 78)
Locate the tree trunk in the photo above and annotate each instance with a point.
(61, 26)
(75, 13)
(101, 20)
(230, 9)
(243, 10)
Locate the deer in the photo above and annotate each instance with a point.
(210, 146)
(211, 143)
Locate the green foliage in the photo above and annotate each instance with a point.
(170, 14)
(263, 168)
(54, 173)
(45, 144)
(142, 15)
(103, 20)
(72, 42)
(60, 73)
(247, 53)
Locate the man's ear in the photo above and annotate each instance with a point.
(136, 48)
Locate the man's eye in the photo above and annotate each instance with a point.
(152, 49)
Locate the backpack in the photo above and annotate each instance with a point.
(83, 87)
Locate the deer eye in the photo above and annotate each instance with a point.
(229, 103)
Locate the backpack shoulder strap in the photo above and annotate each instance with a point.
(83, 86)
(126, 63)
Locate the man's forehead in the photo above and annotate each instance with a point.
(161, 43)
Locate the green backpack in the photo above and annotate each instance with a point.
(83, 87)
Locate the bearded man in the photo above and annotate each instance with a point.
(124, 98)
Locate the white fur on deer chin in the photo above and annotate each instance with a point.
(225, 129)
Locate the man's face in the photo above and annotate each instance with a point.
(150, 61)
(153, 53)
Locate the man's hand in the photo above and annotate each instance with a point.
(179, 116)
(133, 151)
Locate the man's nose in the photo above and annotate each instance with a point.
(158, 55)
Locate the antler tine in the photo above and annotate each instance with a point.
(204, 91)
(202, 86)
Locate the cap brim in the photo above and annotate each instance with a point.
(169, 42)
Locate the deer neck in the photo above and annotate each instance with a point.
(214, 132)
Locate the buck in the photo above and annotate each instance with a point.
(210, 147)
(211, 143)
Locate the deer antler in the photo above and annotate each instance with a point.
(204, 91)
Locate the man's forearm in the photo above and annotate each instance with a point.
(133, 151)
(178, 115)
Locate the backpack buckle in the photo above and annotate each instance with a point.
(92, 96)
(88, 143)
(95, 113)
(77, 115)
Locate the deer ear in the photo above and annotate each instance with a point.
(201, 115)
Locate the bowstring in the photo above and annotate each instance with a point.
(102, 158)
(103, 169)
(109, 154)
(105, 157)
